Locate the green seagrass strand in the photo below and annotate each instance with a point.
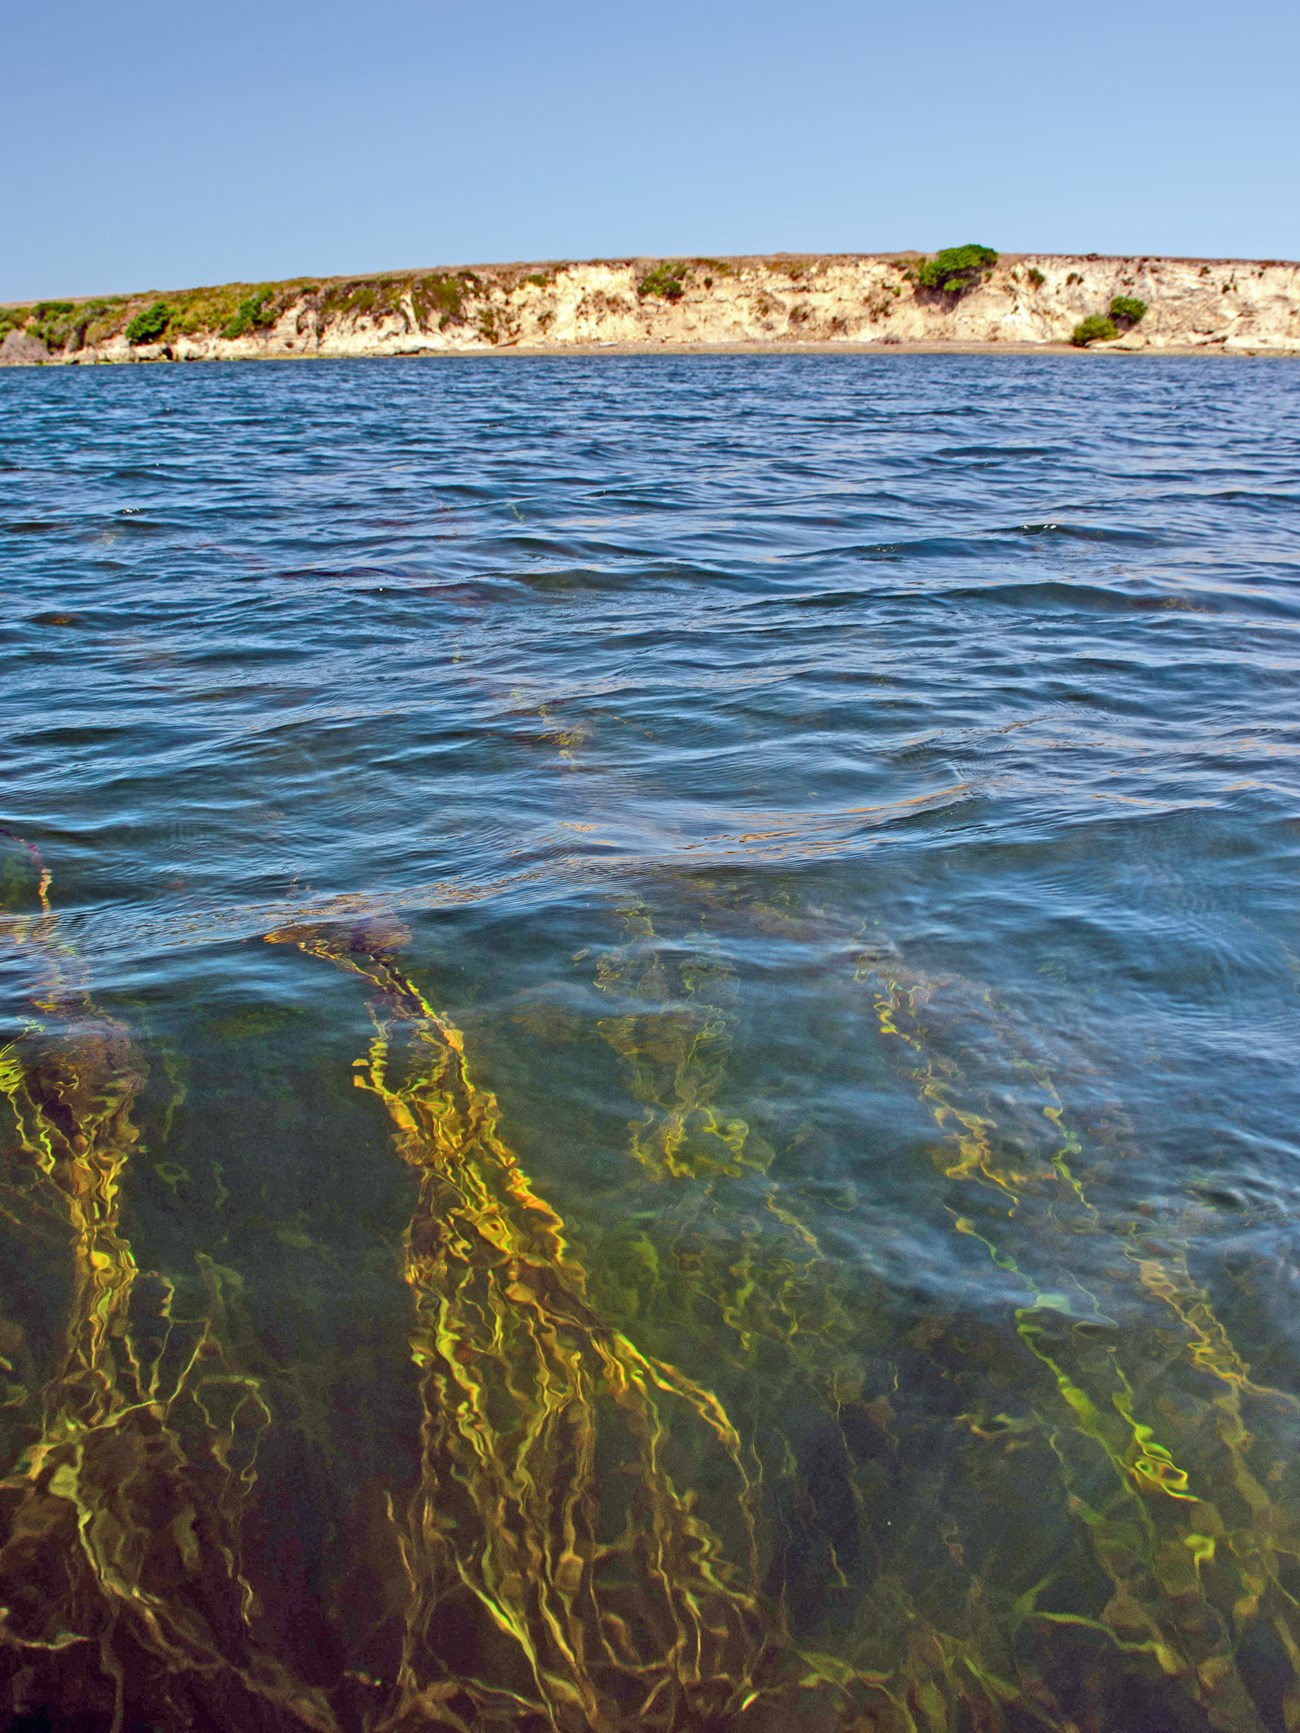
(121, 1557)
(549, 1527)
(759, 1280)
(1158, 1534)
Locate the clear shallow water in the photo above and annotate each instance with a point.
(800, 856)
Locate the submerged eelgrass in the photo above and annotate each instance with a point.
(560, 1570)
(594, 1538)
(123, 1578)
(871, 1579)
(1155, 1459)
(557, 1571)
(1167, 1559)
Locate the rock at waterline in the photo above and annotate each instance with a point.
(21, 350)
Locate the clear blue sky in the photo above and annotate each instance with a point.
(165, 145)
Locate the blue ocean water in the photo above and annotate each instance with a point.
(838, 818)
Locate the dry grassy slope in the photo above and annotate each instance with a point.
(1231, 305)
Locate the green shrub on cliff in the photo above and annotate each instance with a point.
(361, 300)
(955, 269)
(442, 294)
(52, 322)
(1096, 328)
(664, 281)
(255, 313)
(1126, 310)
(96, 320)
(148, 326)
(202, 312)
(71, 326)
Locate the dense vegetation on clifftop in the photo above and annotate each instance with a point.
(230, 311)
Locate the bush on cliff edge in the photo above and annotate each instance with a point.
(148, 326)
(256, 312)
(955, 269)
(664, 280)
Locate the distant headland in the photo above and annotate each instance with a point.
(966, 298)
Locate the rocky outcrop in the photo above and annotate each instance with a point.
(21, 350)
(833, 301)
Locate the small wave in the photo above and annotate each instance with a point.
(1068, 596)
(1087, 533)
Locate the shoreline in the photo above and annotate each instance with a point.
(783, 304)
(680, 351)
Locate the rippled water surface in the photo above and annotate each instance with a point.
(754, 1183)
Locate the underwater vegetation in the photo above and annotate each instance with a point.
(1190, 1518)
(684, 1468)
(562, 1603)
(123, 1575)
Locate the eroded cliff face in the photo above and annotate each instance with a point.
(1241, 306)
